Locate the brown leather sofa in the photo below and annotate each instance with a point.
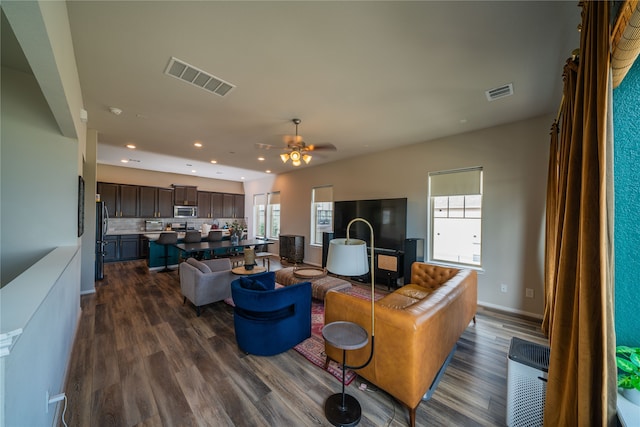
(416, 327)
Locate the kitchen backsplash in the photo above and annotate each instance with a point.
(137, 224)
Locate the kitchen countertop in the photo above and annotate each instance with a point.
(153, 235)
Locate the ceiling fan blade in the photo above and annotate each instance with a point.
(264, 146)
(322, 147)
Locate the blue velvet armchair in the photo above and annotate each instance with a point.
(269, 321)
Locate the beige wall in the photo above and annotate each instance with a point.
(514, 159)
(119, 175)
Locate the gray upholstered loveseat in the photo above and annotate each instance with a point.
(205, 282)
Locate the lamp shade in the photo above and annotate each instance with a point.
(348, 257)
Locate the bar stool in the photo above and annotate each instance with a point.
(194, 236)
(167, 239)
(265, 256)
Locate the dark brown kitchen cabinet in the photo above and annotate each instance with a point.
(184, 195)
(216, 205)
(228, 206)
(238, 203)
(165, 203)
(122, 200)
(204, 204)
(233, 205)
(156, 202)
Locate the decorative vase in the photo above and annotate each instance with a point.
(249, 258)
(234, 239)
(632, 395)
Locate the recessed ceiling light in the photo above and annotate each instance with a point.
(197, 144)
(124, 161)
(261, 159)
(218, 173)
(115, 110)
(131, 146)
(463, 121)
(214, 161)
(268, 171)
(242, 177)
(193, 171)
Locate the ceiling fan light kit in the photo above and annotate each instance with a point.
(298, 150)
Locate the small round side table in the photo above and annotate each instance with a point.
(342, 409)
(241, 271)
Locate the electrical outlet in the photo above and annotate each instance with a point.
(503, 288)
(528, 293)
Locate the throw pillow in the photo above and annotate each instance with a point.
(254, 285)
(199, 265)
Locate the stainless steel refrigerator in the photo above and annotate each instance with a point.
(102, 225)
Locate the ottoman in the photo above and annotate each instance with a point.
(319, 286)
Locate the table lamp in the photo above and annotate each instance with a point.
(348, 257)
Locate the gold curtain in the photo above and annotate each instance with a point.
(581, 388)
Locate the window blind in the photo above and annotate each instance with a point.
(456, 183)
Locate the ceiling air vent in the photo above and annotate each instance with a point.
(190, 74)
(499, 92)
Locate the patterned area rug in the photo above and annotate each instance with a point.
(313, 348)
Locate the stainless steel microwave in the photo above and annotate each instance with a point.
(185, 211)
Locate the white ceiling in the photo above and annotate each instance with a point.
(364, 76)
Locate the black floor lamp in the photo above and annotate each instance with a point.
(348, 257)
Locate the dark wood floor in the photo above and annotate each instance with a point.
(142, 358)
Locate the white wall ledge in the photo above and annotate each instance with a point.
(20, 298)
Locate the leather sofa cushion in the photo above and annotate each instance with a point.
(199, 265)
(397, 301)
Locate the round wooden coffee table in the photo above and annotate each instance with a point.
(241, 271)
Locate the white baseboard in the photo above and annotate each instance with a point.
(509, 310)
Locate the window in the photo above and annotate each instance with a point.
(259, 215)
(273, 215)
(266, 215)
(455, 199)
(321, 213)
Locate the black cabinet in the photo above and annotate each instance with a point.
(292, 248)
(125, 247)
(111, 248)
(129, 247)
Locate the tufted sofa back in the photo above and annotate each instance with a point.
(431, 276)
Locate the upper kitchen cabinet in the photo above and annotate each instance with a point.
(184, 195)
(122, 201)
(216, 205)
(204, 204)
(233, 205)
(156, 202)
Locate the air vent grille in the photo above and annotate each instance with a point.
(499, 92)
(190, 74)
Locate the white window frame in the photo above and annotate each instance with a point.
(321, 213)
(273, 215)
(456, 194)
(259, 215)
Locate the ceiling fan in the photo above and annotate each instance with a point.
(298, 150)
